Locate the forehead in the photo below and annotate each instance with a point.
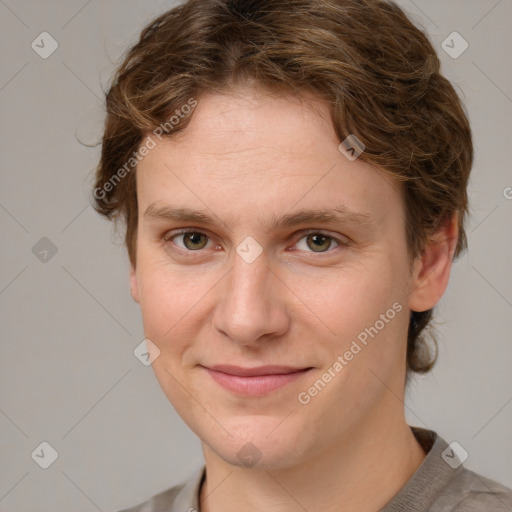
(249, 122)
(258, 150)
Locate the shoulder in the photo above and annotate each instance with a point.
(158, 502)
(183, 497)
(470, 492)
(443, 484)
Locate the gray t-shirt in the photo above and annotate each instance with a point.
(440, 484)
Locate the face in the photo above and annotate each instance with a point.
(256, 281)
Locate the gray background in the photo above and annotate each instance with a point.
(69, 326)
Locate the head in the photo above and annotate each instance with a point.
(236, 110)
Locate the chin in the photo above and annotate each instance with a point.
(257, 444)
(248, 456)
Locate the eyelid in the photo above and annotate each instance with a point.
(169, 235)
(342, 241)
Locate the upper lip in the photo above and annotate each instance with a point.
(258, 370)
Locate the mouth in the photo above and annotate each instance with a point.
(254, 381)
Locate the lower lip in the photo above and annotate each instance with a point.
(255, 385)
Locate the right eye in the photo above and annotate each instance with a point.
(192, 240)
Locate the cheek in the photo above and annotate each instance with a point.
(354, 298)
(166, 300)
(365, 308)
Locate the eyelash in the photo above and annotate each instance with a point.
(172, 234)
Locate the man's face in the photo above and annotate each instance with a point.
(317, 292)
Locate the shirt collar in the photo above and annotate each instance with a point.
(427, 482)
(433, 474)
(187, 500)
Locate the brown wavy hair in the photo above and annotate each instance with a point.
(378, 72)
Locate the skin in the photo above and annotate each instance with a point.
(247, 157)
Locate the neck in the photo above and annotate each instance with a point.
(361, 472)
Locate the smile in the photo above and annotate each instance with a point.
(257, 381)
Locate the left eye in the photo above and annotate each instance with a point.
(318, 242)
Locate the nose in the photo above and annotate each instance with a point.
(252, 306)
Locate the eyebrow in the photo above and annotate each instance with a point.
(338, 215)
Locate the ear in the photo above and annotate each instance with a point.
(431, 270)
(134, 286)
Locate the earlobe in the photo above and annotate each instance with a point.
(432, 268)
(134, 286)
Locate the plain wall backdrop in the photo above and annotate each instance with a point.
(68, 374)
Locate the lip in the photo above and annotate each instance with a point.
(254, 381)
